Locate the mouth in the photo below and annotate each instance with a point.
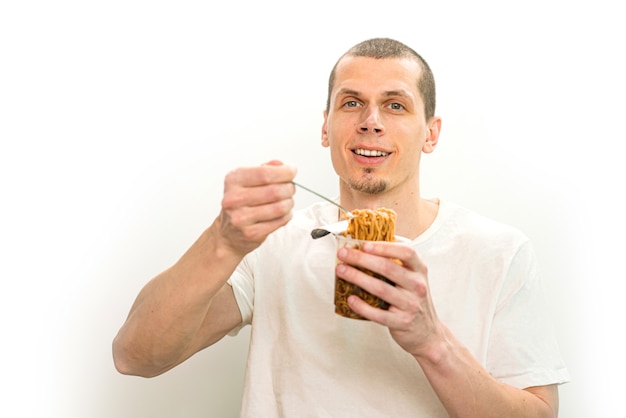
(370, 152)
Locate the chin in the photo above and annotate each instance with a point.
(369, 186)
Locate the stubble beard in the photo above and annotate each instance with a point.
(368, 183)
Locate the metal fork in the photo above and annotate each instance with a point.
(346, 211)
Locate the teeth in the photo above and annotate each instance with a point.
(370, 153)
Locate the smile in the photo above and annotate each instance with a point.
(370, 153)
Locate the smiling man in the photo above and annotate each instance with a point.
(377, 128)
(466, 334)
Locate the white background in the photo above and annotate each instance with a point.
(119, 120)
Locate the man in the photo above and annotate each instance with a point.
(465, 334)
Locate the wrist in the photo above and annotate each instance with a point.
(437, 349)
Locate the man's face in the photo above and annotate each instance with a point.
(376, 127)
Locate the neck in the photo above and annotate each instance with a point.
(415, 214)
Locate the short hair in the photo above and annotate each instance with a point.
(382, 48)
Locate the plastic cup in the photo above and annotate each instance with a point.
(343, 289)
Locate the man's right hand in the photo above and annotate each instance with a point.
(257, 201)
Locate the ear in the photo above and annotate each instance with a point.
(325, 142)
(434, 128)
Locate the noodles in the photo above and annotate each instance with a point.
(370, 225)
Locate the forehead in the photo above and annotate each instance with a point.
(377, 76)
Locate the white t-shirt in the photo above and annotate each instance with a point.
(307, 361)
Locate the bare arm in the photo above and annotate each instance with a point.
(462, 384)
(467, 390)
(190, 306)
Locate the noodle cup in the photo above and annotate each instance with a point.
(344, 289)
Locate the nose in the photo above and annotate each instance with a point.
(371, 122)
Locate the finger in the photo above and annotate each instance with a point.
(391, 265)
(258, 231)
(404, 306)
(388, 249)
(269, 212)
(367, 311)
(238, 196)
(371, 284)
(275, 172)
(273, 162)
(399, 251)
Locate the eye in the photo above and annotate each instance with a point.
(351, 103)
(396, 106)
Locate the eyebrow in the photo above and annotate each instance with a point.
(390, 93)
(400, 93)
(347, 92)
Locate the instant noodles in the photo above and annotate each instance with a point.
(366, 225)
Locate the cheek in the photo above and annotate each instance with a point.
(411, 151)
(335, 153)
(337, 158)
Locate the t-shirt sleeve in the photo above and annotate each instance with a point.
(523, 349)
(242, 283)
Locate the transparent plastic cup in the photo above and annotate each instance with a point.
(344, 289)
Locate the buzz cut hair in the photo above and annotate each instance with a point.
(386, 48)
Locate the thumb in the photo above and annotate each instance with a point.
(273, 162)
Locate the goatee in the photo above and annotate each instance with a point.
(368, 184)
